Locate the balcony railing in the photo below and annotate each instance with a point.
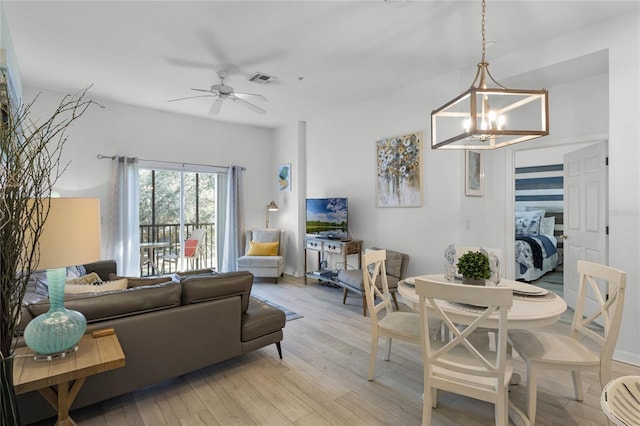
(170, 233)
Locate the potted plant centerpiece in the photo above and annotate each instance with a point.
(474, 267)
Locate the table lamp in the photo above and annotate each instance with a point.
(70, 236)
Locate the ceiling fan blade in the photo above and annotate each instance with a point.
(191, 97)
(251, 94)
(203, 90)
(249, 105)
(215, 107)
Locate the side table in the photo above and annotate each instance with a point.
(59, 381)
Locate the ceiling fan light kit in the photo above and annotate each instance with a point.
(489, 117)
(222, 92)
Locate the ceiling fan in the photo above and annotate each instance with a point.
(221, 92)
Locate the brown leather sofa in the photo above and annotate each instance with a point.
(166, 330)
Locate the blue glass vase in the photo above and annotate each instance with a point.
(60, 329)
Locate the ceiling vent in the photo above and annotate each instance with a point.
(262, 78)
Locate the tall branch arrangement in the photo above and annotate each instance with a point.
(30, 165)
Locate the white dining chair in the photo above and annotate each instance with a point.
(393, 324)
(544, 351)
(462, 365)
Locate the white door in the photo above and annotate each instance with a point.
(585, 215)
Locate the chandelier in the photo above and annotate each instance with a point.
(489, 115)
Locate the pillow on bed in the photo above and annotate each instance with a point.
(547, 225)
(528, 222)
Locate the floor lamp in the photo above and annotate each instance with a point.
(271, 207)
(70, 236)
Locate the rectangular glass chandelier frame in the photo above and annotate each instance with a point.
(526, 114)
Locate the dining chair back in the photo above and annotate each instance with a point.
(462, 364)
(384, 320)
(592, 339)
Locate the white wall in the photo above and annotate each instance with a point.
(341, 160)
(154, 135)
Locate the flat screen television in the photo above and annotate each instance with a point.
(328, 218)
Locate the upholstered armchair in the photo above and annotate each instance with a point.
(396, 267)
(264, 253)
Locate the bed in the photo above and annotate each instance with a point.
(536, 247)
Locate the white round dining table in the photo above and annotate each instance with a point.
(527, 312)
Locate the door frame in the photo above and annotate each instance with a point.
(510, 233)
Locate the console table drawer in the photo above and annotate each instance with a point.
(330, 247)
(313, 245)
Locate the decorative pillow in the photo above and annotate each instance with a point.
(548, 225)
(89, 279)
(263, 249)
(96, 288)
(528, 222)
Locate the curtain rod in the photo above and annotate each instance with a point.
(113, 157)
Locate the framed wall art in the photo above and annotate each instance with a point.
(399, 171)
(284, 177)
(474, 173)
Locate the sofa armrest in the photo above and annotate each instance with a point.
(200, 288)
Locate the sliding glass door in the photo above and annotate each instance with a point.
(173, 203)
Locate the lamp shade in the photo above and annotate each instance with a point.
(71, 234)
(272, 207)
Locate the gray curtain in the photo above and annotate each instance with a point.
(232, 246)
(124, 223)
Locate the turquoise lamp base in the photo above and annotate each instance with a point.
(59, 330)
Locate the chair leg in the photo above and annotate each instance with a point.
(577, 385)
(344, 296)
(374, 353)
(279, 347)
(502, 407)
(532, 392)
(364, 305)
(395, 301)
(427, 404)
(387, 356)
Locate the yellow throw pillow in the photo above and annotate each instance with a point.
(263, 249)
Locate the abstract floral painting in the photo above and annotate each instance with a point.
(399, 180)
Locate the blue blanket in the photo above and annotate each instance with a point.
(537, 253)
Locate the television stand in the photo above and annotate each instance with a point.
(326, 246)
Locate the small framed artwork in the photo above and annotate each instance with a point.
(474, 179)
(284, 177)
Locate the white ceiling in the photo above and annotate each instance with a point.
(327, 55)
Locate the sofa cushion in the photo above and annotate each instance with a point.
(260, 261)
(120, 303)
(139, 282)
(265, 235)
(103, 286)
(200, 288)
(263, 249)
(261, 319)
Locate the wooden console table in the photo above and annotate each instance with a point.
(323, 246)
(59, 381)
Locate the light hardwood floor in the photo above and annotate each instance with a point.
(322, 380)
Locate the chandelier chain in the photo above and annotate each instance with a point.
(483, 31)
